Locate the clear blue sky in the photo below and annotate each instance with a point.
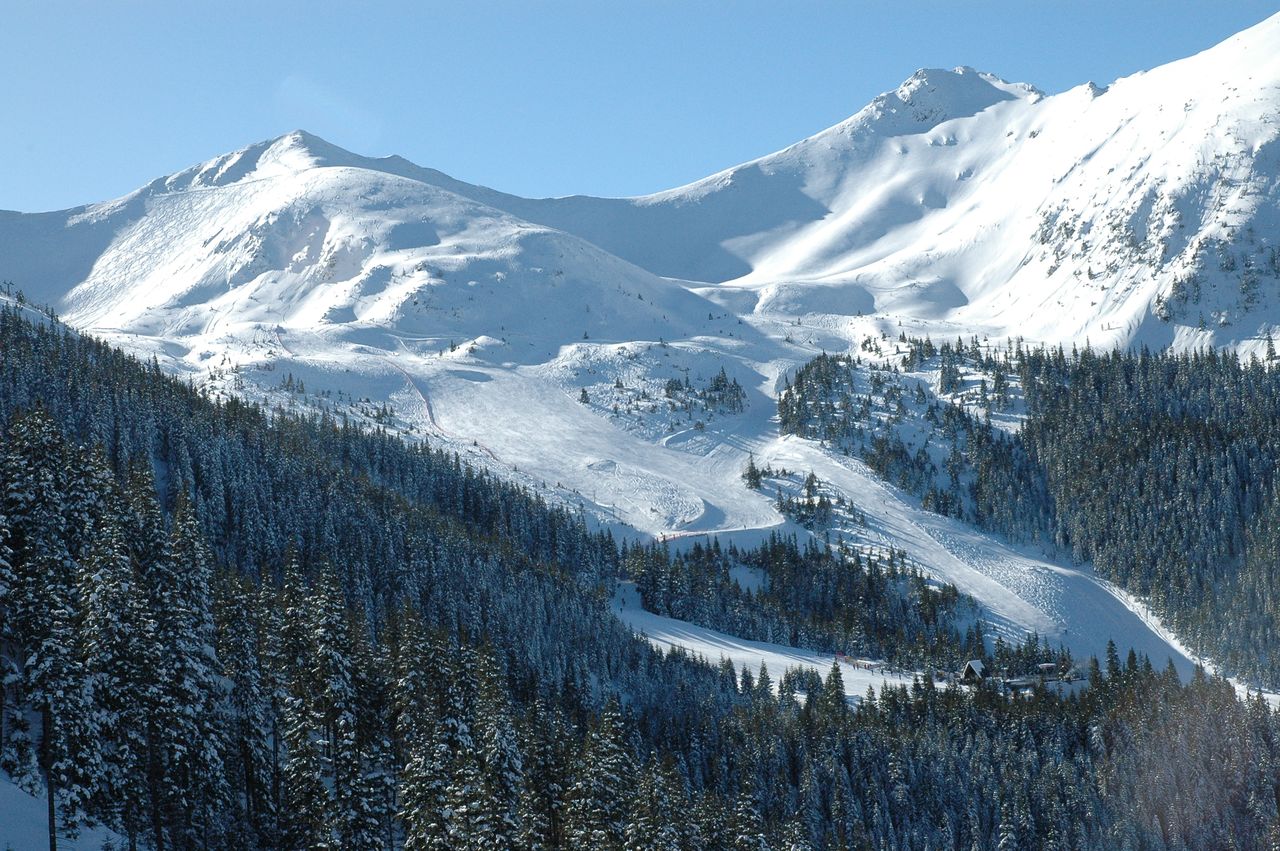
(537, 97)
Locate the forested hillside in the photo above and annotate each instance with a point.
(228, 628)
(1162, 471)
(1159, 468)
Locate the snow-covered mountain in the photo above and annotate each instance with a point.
(541, 335)
(297, 233)
(1141, 210)
(1144, 210)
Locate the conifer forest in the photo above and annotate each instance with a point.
(227, 627)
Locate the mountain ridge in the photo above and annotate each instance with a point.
(954, 198)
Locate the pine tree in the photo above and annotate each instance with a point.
(332, 697)
(419, 796)
(469, 808)
(374, 813)
(305, 819)
(542, 804)
(651, 825)
(595, 816)
(795, 837)
(113, 642)
(191, 720)
(413, 693)
(443, 803)
(748, 828)
(40, 611)
(244, 663)
(17, 751)
(1009, 838)
(834, 703)
(500, 750)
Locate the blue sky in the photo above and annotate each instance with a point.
(538, 98)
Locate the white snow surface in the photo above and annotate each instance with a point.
(24, 824)
(1144, 212)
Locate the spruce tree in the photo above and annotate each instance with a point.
(40, 610)
(421, 797)
(595, 816)
(244, 664)
(113, 642)
(500, 750)
(192, 706)
(748, 828)
(651, 821)
(305, 819)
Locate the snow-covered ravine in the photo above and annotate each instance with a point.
(1151, 619)
(690, 483)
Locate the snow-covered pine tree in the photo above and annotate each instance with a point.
(145, 523)
(90, 485)
(542, 803)
(834, 704)
(331, 697)
(422, 795)
(595, 815)
(245, 664)
(40, 611)
(373, 818)
(193, 699)
(499, 747)
(113, 643)
(305, 816)
(795, 837)
(17, 754)
(651, 824)
(748, 827)
(413, 691)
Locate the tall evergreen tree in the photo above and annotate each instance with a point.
(595, 815)
(114, 643)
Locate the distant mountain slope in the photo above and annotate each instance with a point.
(720, 228)
(1144, 211)
(296, 233)
(1115, 214)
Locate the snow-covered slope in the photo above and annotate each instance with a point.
(713, 646)
(24, 825)
(1146, 210)
(286, 234)
(540, 335)
(1142, 210)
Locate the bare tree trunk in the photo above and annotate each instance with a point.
(53, 817)
(50, 786)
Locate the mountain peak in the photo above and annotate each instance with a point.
(309, 146)
(931, 96)
(292, 153)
